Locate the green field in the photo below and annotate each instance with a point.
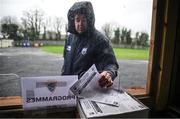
(121, 53)
(53, 49)
(131, 54)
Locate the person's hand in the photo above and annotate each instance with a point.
(106, 80)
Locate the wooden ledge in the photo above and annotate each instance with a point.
(12, 102)
(136, 91)
(15, 102)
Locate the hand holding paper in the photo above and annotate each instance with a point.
(88, 87)
(105, 80)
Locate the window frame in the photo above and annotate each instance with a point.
(157, 76)
(16, 101)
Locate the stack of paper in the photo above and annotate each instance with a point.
(95, 101)
(127, 107)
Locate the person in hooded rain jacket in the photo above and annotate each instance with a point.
(86, 46)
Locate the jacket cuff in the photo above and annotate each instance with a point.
(113, 75)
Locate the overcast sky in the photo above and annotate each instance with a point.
(133, 14)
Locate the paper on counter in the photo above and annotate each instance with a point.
(88, 87)
(126, 104)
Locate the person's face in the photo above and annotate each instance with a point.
(80, 23)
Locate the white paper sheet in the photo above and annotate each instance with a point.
(126, 104)
(43, 92)
(88, 87)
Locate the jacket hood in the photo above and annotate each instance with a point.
(85, 8)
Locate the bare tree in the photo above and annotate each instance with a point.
(46, 27)
(24, 28)
(123, 35)
(107, 30)
(128, 37)
(144, 37)
(58, 25)
(116, 39)
(33, 20)
(138, 42)
(66, 30)
(8, 20)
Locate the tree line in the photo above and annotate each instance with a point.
(123, 36)
(35, 26)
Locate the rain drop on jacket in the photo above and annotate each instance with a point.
(81, 51)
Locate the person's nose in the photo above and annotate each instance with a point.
(81, 22)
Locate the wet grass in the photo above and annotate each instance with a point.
(131, 54)
(121, 53)
(53, 49)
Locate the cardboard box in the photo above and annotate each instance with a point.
(129, 107)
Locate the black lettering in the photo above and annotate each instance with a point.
(28, 100)
(73, 96)
(59, 98)
(54, 98)
(32, 99)
(64, 97)
(50, 99)
(38, 99)
(44, 98)
(68, 97)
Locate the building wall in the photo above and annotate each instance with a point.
(4, 43)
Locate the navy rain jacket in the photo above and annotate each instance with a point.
(81, 51)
